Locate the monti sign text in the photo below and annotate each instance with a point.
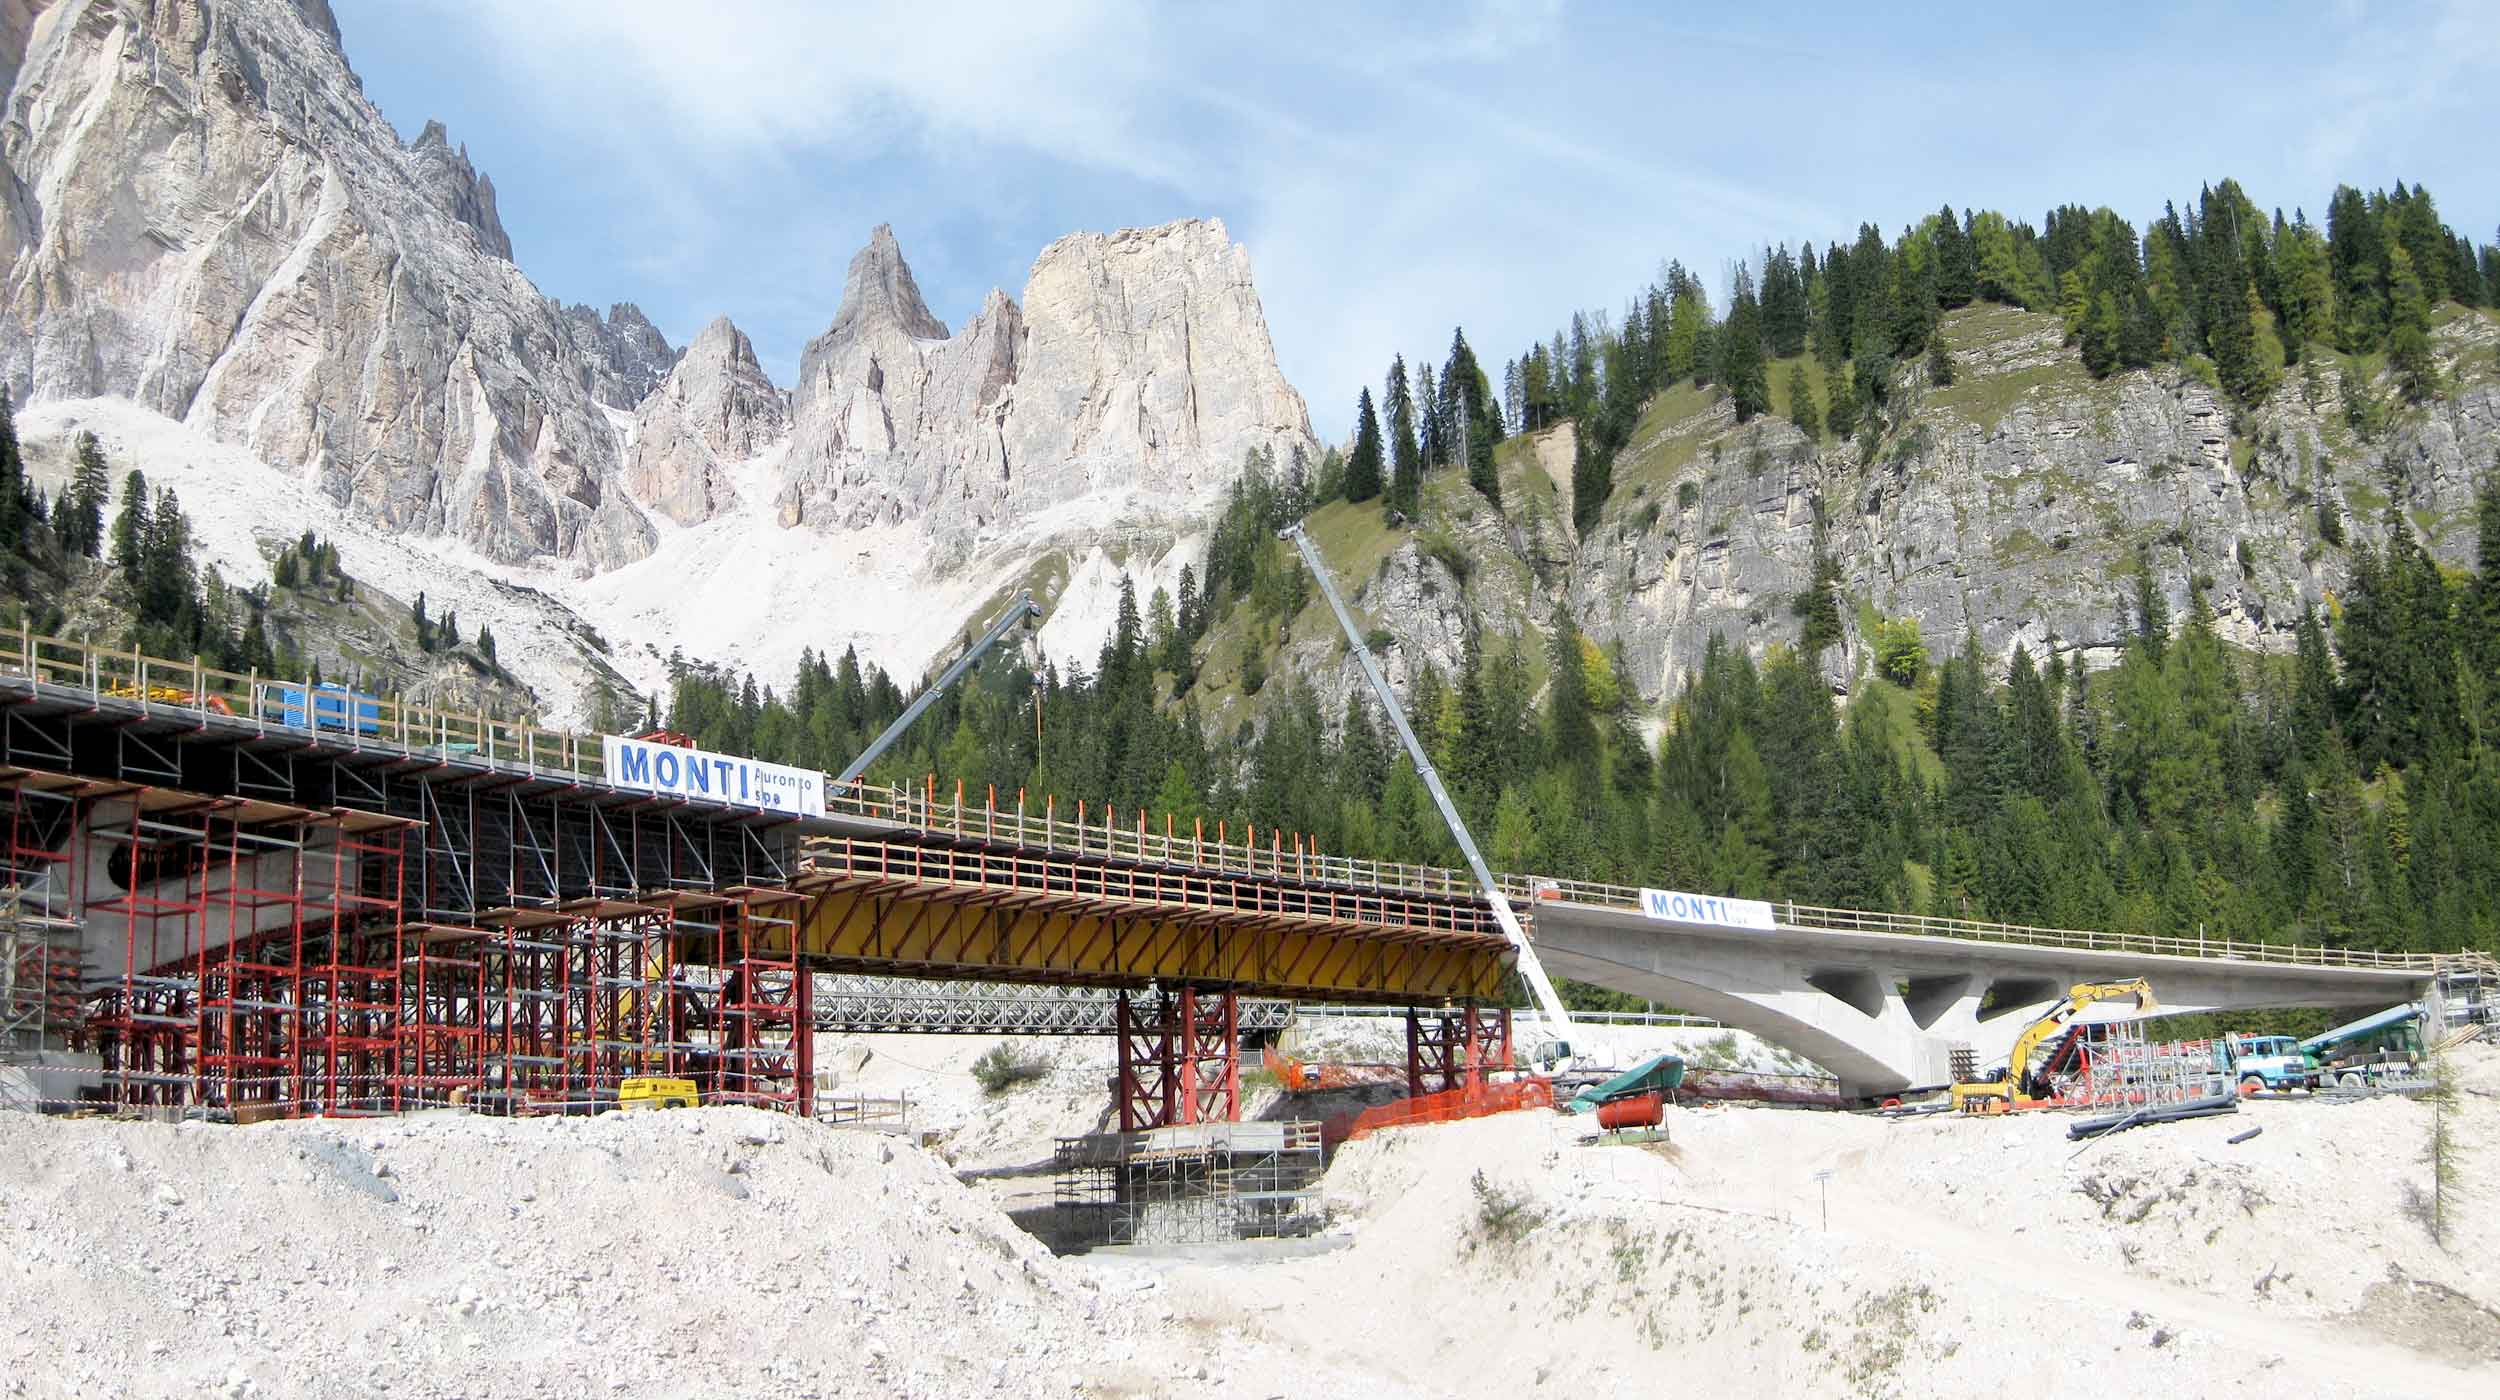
(1707, 909)
(713, 777)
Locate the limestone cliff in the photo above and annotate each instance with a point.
(2015, 503)
(203, 213)
(1137, 373)
(713, 411)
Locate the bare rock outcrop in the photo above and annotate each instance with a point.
(203, 213)
(622, 355)
(458, 189)
(1138, 372)
(715, 409)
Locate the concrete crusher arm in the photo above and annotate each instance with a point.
(1022, 610)
(1548, 1001)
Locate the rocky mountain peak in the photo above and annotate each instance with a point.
(204, 214)
(458, 189)
(714, 409)
(317, 14)
(1138, 366)
(622, 355)
(879, 288)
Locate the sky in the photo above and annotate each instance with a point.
(1393, 171)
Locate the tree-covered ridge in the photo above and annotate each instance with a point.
(2349, 795)
(174, 608)
(2234, 291)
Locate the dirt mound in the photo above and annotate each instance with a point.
(1961, 1257)
(705, 1252)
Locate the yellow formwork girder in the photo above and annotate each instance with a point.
(942, 930)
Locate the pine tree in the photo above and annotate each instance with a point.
(2409, 330)
(16, 502)
(1431, 424)
(130, 529)
(1957, 261)
(425, 626)
(1688, 320)
(1801, 409)
(1786, 311)
(1741, 360)
(1405, 461)
(1362, 466)
(2304, 312)
(2356, 257)
(1939, 361)
(1842, 417)
(486, 645)
(2225, 294)
(89, 488)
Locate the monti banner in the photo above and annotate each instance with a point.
(1707, 909)
(713, 777)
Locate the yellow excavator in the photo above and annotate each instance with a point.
(2001, 1090)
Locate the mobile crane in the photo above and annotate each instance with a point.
(1998, 1091)
(1020, 613)
(1555, 1053)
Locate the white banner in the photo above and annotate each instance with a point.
(740, 782)
(1707, 909)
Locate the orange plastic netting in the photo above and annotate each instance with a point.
(1448, 1106)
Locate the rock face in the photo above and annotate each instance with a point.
(625, 357)
(202, 213)
(715, 409)
(2016, 506)
(458, 189)
(1137, 374)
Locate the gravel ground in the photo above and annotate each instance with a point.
(725, 1251)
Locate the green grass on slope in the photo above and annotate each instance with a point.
(1886, 710)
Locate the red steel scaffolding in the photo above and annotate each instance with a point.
(1179, 1058)
(262, 966)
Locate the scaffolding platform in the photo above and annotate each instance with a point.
(1190, 1183)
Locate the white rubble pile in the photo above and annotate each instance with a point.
(719, 1251)
(727, 1251)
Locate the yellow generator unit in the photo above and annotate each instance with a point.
(648, 1092)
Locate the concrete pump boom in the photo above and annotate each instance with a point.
(1548, 1001)
(1021, 610)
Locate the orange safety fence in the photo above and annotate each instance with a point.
(1448, 1106)
(1300, 1076)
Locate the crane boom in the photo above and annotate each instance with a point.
(1022, 609)
(1548, 1000)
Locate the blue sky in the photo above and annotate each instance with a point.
(1393, 171)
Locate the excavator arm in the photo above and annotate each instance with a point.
(2000, 1090)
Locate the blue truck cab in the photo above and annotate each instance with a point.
(322, 707)
(2270, 1062)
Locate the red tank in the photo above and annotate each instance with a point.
(1638, 1111)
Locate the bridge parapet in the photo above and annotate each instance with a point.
(1531, 891)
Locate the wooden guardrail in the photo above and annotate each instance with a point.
(163, 685)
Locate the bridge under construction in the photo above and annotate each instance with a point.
(206, 906)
